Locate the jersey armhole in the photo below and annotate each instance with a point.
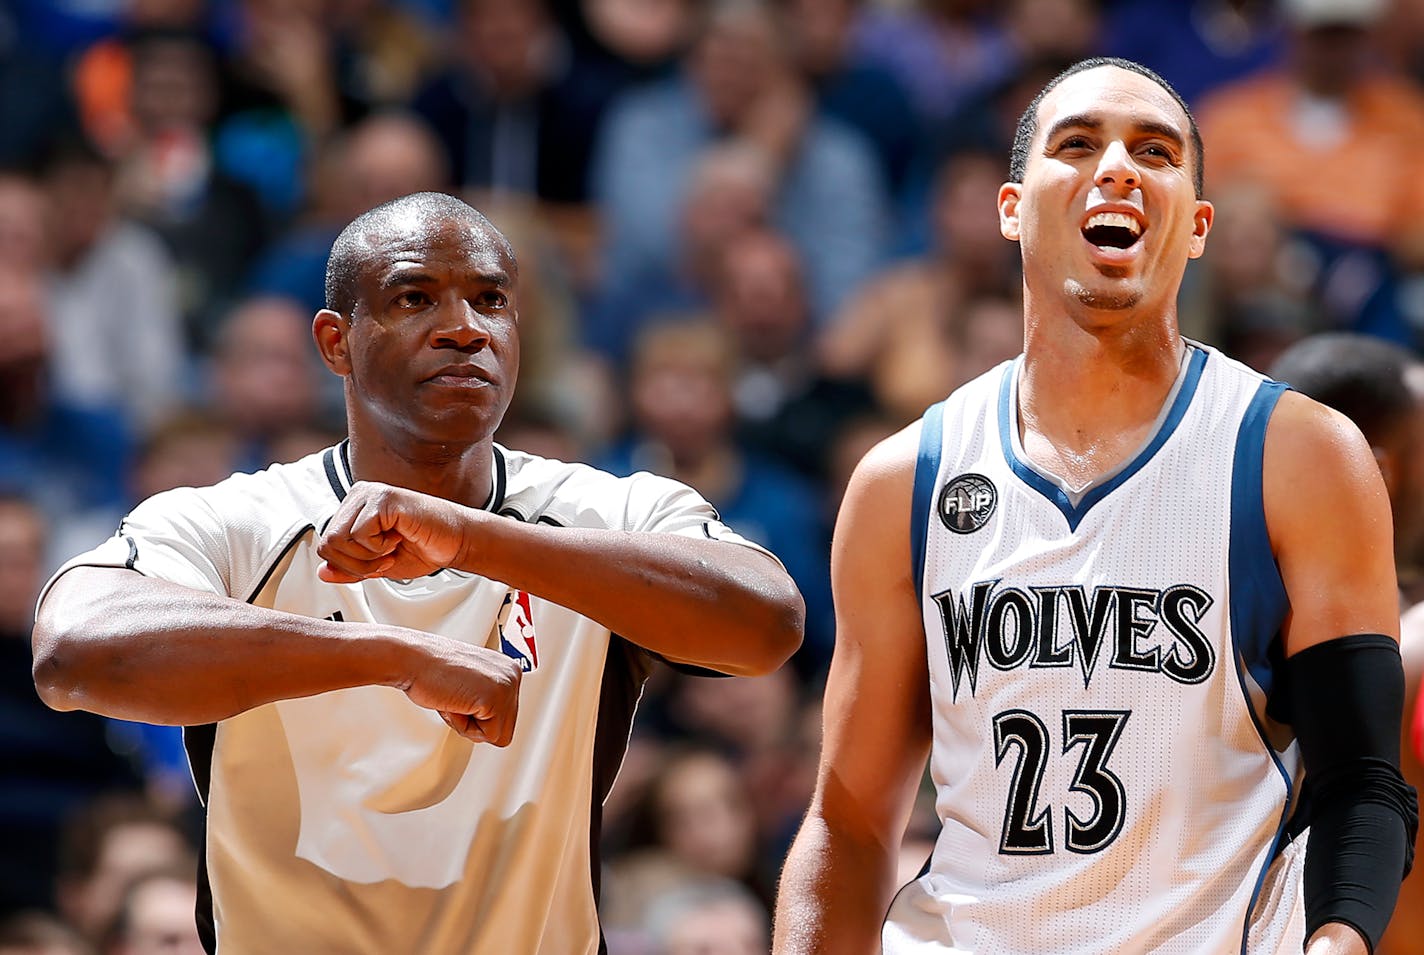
(926, 473)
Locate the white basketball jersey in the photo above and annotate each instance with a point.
(1106, 776)
(356, 822)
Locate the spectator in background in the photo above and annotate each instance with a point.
(694, 822)
(730, 190)
(24, 224)
(785, 408)
(1051, 31)
(378, 159)
(684, 426)
(1334, 138)
(105, 846)
(54, 762)
(1044, 37)
(265, 380)
(117, 333)
(282, 66)
(212, 224)
(190, 449)
(623, 43)
(738, 83)
(156, 915)
(513, 118)
(905, 331)
(39, 933)
(1250, 295)
(708, 918)
(300, 72)
(762, 725)
(381, 51)
(1197, 45)
(848, 86)
(102, 75)
(615, 45)
(945, 52)
(69, 458)
(1380, 387)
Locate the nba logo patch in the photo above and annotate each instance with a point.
(516, 630)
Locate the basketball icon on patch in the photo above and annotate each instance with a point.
(967, 502)
(516, 630)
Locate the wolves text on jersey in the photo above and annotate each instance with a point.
(1137, 629)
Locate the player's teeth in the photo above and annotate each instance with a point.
(1117, 219)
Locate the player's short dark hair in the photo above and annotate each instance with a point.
(348, 252)
(1028, 122)
(1360, 376)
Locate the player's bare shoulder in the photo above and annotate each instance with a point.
(1328, 518)
(1313, 451)
(867, 537)
(888, 468)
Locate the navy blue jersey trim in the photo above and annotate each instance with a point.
(1258, 597)
(921, 503)
(1196, 364)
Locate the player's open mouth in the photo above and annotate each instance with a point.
(1112, 230)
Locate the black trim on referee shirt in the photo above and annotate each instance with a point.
(328, 461)
(340, 476)
(501, 481)
(344, 449)
(199, 741)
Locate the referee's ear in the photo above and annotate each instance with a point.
(329, 330)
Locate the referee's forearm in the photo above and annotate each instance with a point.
(705, 602)
(117, 643)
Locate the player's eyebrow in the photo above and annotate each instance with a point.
(498, 278)
(1075, 121)
(398, 277)
(1149, 127)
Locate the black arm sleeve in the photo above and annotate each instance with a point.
(1346, 705)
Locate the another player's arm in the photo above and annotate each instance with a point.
(839, 876)
(115, 642)
(705, 602)
(1328, 517)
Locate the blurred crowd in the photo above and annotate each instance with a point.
(755, 237)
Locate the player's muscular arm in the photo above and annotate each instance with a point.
(115, 642)
(703, 602)
(1328, 516)
(839, 875)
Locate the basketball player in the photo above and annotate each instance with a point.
(1380, 387)
(341, 637)
(1123, 592)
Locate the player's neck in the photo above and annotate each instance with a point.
(1095, 392)
(462, 474)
